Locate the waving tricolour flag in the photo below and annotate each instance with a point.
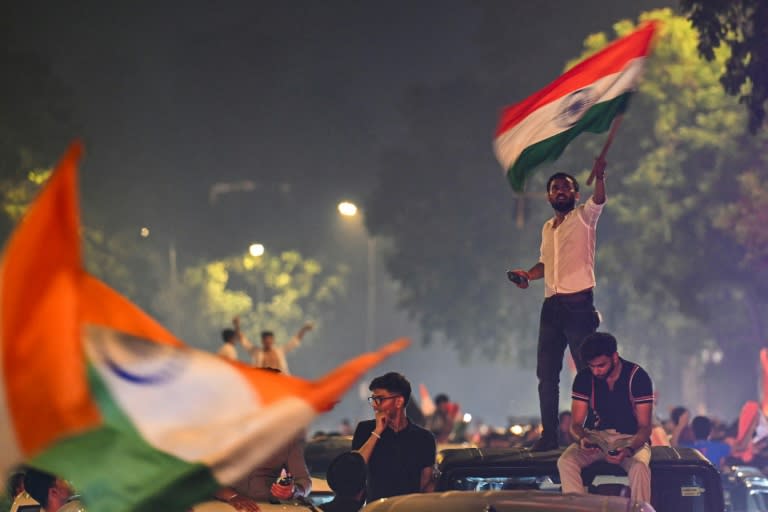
(94, 390)
(586, 98)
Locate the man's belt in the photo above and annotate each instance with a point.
(574, 297)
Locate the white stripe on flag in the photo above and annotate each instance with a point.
(9, 443)
(192, 404)
(541, 124)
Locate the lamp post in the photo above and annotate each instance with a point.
(257, 250)
(350, 209)
(174, 314)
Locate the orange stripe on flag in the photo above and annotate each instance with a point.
(323, 393)
(611, 59)
(101, 305)
(43, 363)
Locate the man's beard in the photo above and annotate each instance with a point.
(608, 373)
(564, 206)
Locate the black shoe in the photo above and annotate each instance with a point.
(544, 445)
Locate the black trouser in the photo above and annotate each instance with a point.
(565, 320)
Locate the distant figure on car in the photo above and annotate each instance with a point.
(271, 355)
(620, 395)
(443, 420)
(400, 455)
(228, 349)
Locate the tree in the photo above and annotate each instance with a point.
(274, 292)
(667, 273)
(672, 267)
(451, 227)
(742, 26)
(36, 122)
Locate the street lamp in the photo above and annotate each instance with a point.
(350, 209)
(256, 250)
(174, 318)
(347, 208)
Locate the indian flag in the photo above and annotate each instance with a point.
(94, 390)
(585, 98)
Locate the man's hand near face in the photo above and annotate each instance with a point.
(382, 421)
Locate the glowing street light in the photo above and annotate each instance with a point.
(256, 250)
(144, 232)
(347, 208)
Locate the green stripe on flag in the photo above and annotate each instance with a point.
(115, 470)
(596, 120)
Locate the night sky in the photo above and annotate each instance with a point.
(298, 98)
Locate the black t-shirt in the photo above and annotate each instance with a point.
(397, 460)
(615, 409)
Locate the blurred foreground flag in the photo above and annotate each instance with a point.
(94, 390)
(586, 98)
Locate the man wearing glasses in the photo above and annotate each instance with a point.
(400, 455)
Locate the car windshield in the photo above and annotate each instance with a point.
(505, 483)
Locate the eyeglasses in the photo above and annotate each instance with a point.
(379, 399)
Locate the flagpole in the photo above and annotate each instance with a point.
(606, 146)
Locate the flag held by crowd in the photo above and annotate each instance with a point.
(94, 390)
(586, 98)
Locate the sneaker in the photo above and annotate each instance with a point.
(544, 445)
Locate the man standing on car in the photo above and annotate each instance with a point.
(567, 265)
(400, 455)
(620, 395)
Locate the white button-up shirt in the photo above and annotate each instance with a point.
(568, 250)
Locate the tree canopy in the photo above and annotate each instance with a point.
(669, 265)
(742, 27)
(270, 292)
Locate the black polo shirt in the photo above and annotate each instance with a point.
(615, 408)
(397, 460)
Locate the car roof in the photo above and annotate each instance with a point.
(505, 501)
(678, 474)
(661, 456)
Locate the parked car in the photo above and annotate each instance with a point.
(745, 489)
(320, 451)
(505, 501)
(683, 480)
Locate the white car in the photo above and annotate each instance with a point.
(505, 501)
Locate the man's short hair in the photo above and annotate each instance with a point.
(394, 383)
(597, 344)
(266, 334)
(441, 398)
(677, 413)
(37, 483)
(702, 427)
(227, 335)
(565, 176)
(346, 474)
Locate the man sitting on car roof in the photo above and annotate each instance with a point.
(620, 394)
